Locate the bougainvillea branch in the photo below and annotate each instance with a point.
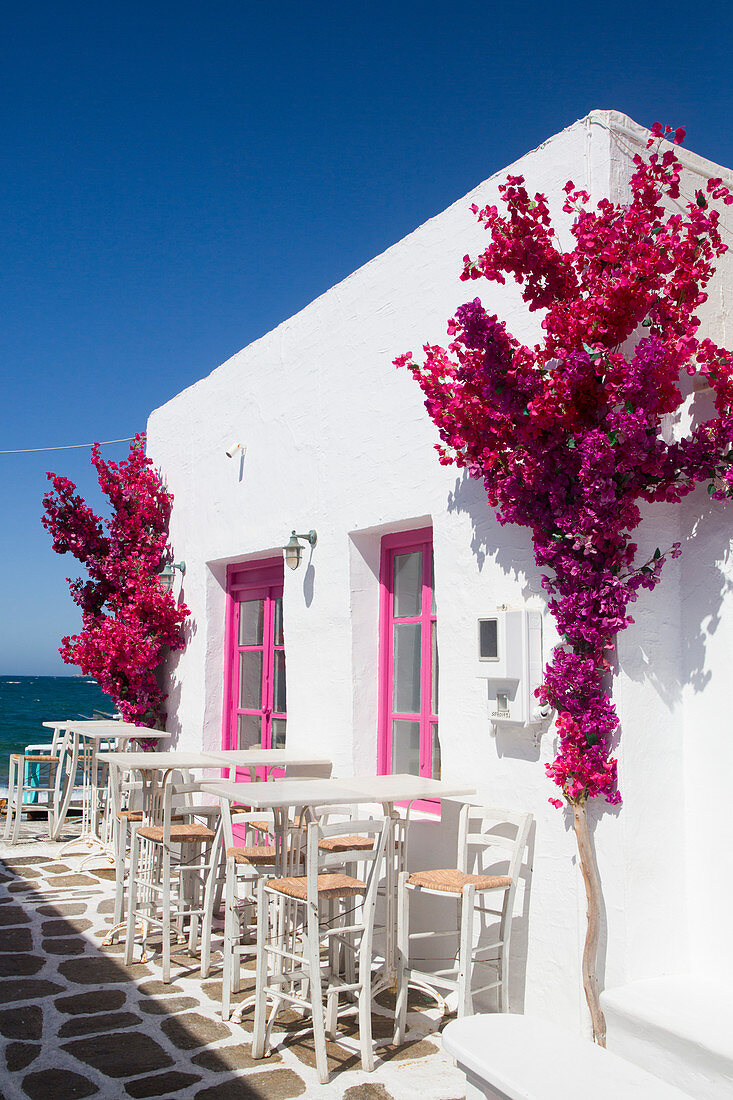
(567, 435)
(128, 620)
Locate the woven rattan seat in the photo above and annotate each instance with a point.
(35, 758)
(258, 853)
(180, 834)
(137, 815)
(346, 844)
(269, 826)
(329, 886)
(451, 881)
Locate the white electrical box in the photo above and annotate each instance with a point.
(510, 660)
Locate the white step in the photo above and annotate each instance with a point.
(509, 1057)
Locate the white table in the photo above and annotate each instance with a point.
(284, 795)
(155, 769)
(83, 738)
(266, 758)
(165, 762)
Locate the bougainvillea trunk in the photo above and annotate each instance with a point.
(129, 621)
(567, 434)
(592, 882)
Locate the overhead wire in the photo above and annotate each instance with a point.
(67, 446)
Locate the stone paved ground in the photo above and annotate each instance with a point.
(75, 1022)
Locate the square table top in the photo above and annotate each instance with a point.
(101, 729)
(247, 758)
(405, 787)
(154, 761)
(278, 793)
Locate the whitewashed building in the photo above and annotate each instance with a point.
(338, 441)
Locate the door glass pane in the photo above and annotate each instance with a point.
(435, 773)
(407, 584)
(250, 679)
(434, 631)
(432, 585)
(279, 704)
(406, 685)
(278, 607)
(251, 618)
(249, 731)
(277, 737)
(406, 746)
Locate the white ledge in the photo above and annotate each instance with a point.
(677, 1027)
(509, 1057)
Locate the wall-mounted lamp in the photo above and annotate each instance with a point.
(231, 451)
(167, 572)
(293, 551)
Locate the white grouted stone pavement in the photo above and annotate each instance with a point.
(75, 1022)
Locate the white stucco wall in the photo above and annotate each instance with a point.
(338, 440)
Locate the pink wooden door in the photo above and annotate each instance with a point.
(255, 693)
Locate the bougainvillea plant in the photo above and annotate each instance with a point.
(568, 434)
(129, 621)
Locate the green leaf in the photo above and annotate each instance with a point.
(572, 444)
(647, 322)
(613, 438)
(701, 200)
(657, 553)
(656, 229)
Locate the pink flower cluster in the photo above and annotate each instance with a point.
(128, 620)
(567, 435)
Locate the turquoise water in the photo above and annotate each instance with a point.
(27, 701)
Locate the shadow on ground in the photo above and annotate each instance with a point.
(76, 1022)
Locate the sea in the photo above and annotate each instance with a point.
(28, 701)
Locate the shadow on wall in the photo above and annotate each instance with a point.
(706, 552)
(509, 546)
(519, 952)
(309, 583)
(705, 542)
(168, 676)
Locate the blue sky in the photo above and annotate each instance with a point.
(177, 178)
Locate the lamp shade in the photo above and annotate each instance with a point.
(292, 552)
(167, 572)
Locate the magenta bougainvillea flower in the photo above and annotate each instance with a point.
(567, 434)
(129, 622)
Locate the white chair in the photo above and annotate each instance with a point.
(332, 909)
(126, 801)
(22, 784)
(245, 858)
(491, 846)
(170, 864)
(25, 783)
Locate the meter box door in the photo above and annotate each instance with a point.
(510, 660)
